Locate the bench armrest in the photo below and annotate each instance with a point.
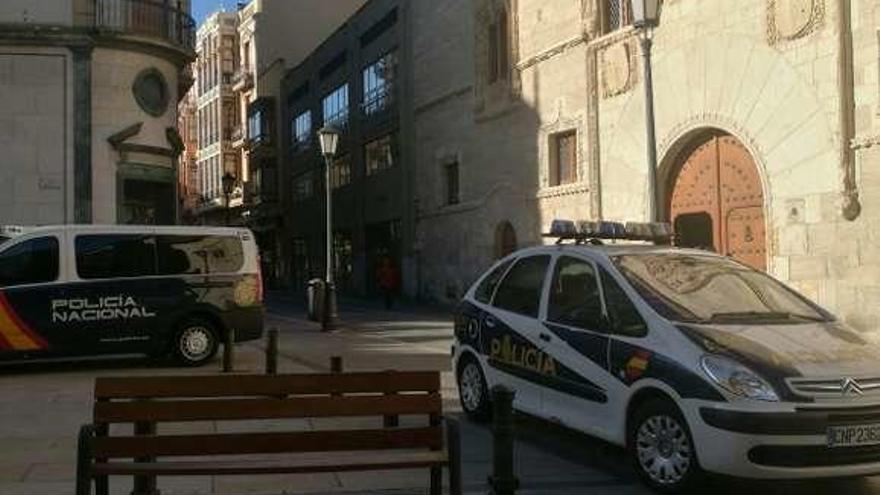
(84, 459)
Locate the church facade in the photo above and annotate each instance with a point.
(767, 125)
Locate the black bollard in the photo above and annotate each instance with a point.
(335, 367)
(502, 481)
(272, 352)
(228, 352)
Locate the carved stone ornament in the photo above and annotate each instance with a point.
(617, 69)
(793, 19)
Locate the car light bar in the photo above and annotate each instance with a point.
(631, 231)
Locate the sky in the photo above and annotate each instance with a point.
(201, 8)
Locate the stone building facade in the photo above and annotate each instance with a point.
(88, 93)
(767, 125)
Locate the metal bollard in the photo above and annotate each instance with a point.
(145, 484)
(335, 367)
(502, 481)
(391, 420)
(272, 352)
(228, 352)
(336, 364)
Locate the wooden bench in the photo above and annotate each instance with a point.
(147, 452)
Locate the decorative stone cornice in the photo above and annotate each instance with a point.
(564, 190)
(862, 142)
(551, 52)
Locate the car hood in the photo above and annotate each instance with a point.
(825, 350)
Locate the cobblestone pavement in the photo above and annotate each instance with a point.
(42, 406)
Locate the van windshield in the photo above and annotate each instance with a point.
(697, 288)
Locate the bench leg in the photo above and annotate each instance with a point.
(436, 480)
(453, 448)
(84, 460)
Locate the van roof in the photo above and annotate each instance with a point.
(133, 229)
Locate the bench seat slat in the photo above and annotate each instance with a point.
(268, 443)
(264, 385)
(247, 409)
(370, 462)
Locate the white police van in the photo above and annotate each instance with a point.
(91, 290)
(691, 360)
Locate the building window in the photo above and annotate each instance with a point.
(303, 187)
(258, 126)
(380, 154)
(452, 184)
(379, 84)
(563, 158)
(499, 53)
(340, 172)
(616, 15)
(301, 129)
(336, 107)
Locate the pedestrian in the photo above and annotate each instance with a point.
(388, 280)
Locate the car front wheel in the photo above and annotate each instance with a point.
(662, 448)
(472, 389)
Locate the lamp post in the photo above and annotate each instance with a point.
(329, 140)
(646, 15)
(228, 181)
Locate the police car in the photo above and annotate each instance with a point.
(689, 359)
(91, 290)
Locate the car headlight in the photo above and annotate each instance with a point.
(737, 379)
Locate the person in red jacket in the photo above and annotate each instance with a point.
(388, 280)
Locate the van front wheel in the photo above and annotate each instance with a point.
(196, 342)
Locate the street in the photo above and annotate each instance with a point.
(42, 406)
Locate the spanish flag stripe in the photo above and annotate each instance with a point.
(18, 339)
(5, 345)
(24, 327)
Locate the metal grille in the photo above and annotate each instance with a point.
(147, 18)
(616, 15)
(836, 388)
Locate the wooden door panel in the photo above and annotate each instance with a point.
(746, 237)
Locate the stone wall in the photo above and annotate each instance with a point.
(114, 109)
(36, 166)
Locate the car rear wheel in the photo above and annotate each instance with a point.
(196, 342)
(662, 448)
(472, 389)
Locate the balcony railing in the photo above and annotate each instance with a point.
(242, 79)
(149, 18)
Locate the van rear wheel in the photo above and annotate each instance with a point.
(196, 342)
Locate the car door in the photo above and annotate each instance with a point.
(30, 281)
(511, 330)
(575, 331)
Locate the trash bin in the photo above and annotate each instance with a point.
(315, 306)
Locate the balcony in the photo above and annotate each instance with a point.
(243, 79)
(147, 18)
(239, 140)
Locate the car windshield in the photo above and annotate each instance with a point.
(708, 289)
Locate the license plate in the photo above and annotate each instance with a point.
(853, 435)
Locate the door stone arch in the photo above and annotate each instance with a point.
(716, 198)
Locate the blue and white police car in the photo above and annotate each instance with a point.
(692, 361)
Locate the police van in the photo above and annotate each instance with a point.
(692, 361)
(91, 290)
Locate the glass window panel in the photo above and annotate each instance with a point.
(30, 262)
(520, 292)
(115, 256)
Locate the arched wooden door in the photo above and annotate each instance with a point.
(718, 199)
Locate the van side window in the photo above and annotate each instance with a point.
(115, 256)
(520, 292)
(574, 296)
(487, 286)
(623, 313)
(30, 262)
(182, 254)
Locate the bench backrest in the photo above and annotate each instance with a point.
(146, 401)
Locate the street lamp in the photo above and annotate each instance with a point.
(228, 181)
(328, 137)
(646, 16)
